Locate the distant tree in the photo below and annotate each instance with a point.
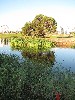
(40, 26)
(27, 28)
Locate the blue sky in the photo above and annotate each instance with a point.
(15, 13)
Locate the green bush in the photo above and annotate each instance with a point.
(30, 80)
(31, 44)
(9, 77)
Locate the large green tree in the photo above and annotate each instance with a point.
(40, 26)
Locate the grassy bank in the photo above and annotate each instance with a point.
(33, 81)
(61, 40)
(48, 36)
(10, 35)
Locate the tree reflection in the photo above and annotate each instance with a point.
(4, 41)
(40, 56)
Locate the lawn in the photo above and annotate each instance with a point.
(10, 35)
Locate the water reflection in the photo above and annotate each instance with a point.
(47, 57)
(65, 57)
(4, 41)
(6, 48)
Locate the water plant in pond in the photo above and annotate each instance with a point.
(31, 44)
(30, 80)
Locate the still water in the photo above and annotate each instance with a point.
(6, 48)
(64, 57)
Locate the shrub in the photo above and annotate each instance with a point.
(31, 44)
(30, 80)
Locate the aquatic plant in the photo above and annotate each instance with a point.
(31, 44)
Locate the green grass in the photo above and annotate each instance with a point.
(10, 35)
(49, 36)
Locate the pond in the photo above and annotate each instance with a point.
(6, 48)
(64, 57)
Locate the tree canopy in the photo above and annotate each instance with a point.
(40, 26)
